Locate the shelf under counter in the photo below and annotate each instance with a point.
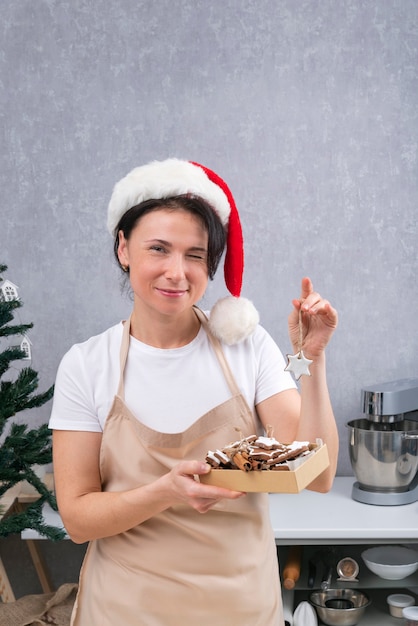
(365, 579)
(335, 518)
(377, 614)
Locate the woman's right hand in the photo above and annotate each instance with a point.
(90, 513)
(185, 488)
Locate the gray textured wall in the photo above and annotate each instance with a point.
(308, 108)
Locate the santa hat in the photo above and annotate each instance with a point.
(233, 318)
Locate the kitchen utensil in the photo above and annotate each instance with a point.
(291, 570)
(384, 457)
(327, 578)
(391, 562)
(304, 615)
(347, 569)
(340, 607)
(326, 558)
(383, 446)
(311, 573)
(329, 558)
(397, 602)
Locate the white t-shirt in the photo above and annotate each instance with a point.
(167, 390)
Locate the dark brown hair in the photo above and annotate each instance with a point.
(194, 205)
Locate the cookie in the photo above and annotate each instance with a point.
(257, 454)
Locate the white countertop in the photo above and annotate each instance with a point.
(334, 517)
(314, 518)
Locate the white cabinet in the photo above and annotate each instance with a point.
(337, 523)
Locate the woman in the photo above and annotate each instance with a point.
(137, 408)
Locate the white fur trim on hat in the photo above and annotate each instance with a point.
(164, 179)
(233, 319)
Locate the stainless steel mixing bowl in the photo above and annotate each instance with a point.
(384, 457)
(340, 607)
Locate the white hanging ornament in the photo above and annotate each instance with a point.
(298, 363)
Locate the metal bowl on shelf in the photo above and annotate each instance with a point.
(340, 607)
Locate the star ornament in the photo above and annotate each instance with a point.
(298, 364)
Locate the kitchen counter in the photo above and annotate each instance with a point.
(316, 518)
(334, 517)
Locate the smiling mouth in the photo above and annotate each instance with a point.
(172, 293)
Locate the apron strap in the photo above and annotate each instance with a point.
(124, 349)
(216, 344)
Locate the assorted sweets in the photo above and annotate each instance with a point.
(257, 453)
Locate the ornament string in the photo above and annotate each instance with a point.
(300, 330)
(298, 363)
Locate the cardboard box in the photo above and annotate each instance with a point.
(303, 472)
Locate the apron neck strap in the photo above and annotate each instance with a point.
(216, 344)
(124, 349)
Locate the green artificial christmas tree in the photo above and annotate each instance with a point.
(21, 448)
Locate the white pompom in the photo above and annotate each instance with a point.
(233, 319)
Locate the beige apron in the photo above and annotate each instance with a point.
(180, 568)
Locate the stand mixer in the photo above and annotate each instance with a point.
(383, 446)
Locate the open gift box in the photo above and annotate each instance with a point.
(298, 475)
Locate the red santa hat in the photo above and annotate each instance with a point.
(233, 318)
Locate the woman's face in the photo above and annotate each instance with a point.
(167, 258)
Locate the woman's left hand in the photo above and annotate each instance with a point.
(319, 320)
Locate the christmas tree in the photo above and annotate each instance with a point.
(21, 447)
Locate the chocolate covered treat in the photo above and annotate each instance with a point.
(256, 453)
